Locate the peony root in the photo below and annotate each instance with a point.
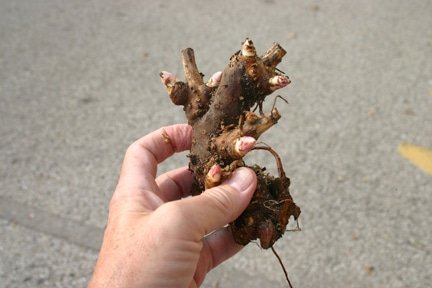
(225, 128)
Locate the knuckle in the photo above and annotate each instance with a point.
(133, 149)
(174, 221)
(171, 214)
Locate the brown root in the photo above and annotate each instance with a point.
(283, 266)
(225, 129)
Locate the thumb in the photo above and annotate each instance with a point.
(218, 206)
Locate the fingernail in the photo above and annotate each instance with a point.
(241, 179)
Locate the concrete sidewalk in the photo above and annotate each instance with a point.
(79, 81)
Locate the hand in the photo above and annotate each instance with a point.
(157, 238)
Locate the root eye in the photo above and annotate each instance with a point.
(266, 232)
(248, 48)
(253, 72)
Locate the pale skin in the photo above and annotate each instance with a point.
(156, 235)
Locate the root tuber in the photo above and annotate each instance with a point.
(226, 127)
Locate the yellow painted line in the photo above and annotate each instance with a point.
(419, 156)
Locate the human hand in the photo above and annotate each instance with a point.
(155, 237)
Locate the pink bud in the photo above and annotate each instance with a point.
(244, 145)
(215, 172)
(167, 78)
(215, 79)
(279, 81)
(213, 177)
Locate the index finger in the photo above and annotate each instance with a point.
(142, 157)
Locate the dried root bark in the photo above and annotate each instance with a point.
(225, 129)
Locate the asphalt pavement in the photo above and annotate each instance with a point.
(79, 82)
